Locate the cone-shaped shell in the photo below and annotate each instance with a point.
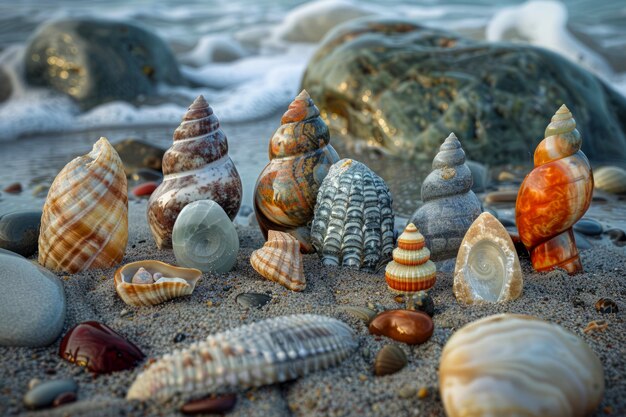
(300, 157)
(196, 167)
(85, 218)
(176, 282)
(554, 196)
(411, 269)
(487, 266)
(610, 179)
(280, 260)
(273, 350)
(516, 365)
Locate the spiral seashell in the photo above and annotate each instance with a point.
(280, 260)
(300, 156)
(205, 238)
(266, 352)
(196, 167)
(353, 223)
(610, 179)
(176, 282)
(554, 196)
(450, 206)
(85, 217)
(516, 365)
(411, 269)
(487, 267)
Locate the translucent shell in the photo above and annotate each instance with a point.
(516, 365)
(280, 260)
(554, 196)
(85, 217)
(610, 179)
(273, 350)
(487, 267)
(176, 282)
(411, 269)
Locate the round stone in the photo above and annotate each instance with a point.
(19, 232)
(589, 227)
(410, 327)
(45, 394)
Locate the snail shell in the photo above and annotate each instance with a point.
(300, 156)
(516, 365)
(610, 179)
(196, 167)
(266, 352)
(85, 217)
(353, 223)
(280, 260)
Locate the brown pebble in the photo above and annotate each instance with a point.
(407, 326)
(503, 196)
(422, 393)
(399, 298)
(211, 405)
(14, 188)
(506, 176)
(65, 398)
(596, 326)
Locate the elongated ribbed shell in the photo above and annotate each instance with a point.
(196, 167)
(280, 260)
(353, 223)
(266, 352)
(516, 365)
(610, 179)
(487, 267)
(153, 294)
(85, 218)
(411, 269)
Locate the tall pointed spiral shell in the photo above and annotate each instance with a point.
(450, 206)
(196, 167)
(300, 156)
(411, 269)
(554, 196)
(353, 223)
(85, 217)
(516, 365)
(280, 260)
(266, 352)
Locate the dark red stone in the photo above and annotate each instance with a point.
(99, 348)
(145, 190)
(406, 326)
(65, 398)
(14, 188)
(211, 405)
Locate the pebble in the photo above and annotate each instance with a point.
(33, 383)
(422, 393)
(422, 301)
(245, 211)
(145, 190)
(179, 337)
(589, 227)
(618, 237)
(606, 306)
(14, 188)
(406, 326)
(506, 222)
(41, 190)
(65, 398)
(252, 299)
(211, 405)
(125, 313)
(507, 176)
(407, 391)
(45, 393)
(502, 196)
(146, 174)
(19, 232)
(581, 241)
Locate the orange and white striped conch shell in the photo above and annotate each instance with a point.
(85, 218)
(280, 260)
(411, 269)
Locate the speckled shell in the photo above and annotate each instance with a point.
(353, 223)
(554, 196)
(85, 217)
(515, 365)
(196, 167)
(153, 294)
(450, 206)
(300, 156)
(280, 260)
(266, 352)
(610, 179)
(411, 269)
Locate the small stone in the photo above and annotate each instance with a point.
(411, 327)
(211, 405)
(502, 196)
(245, 211)
(577, 302)
(179, 337)
(422, 393)
(399, 298)
(606, 306)
(146, 175)
(589, 227)
(14, 188)
(252, 299)
(362, 377)
(33, 383)
(142, 276)
(407, 391)
(40, 190)
(581, 241)
(45, 393)
(65, 398)
(125, 312)
(145, 190)
(506, 222)
(618, 237)
(137, 154)
(505, 176)
(422, 301)
(19, 232)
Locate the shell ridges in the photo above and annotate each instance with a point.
(280, 260)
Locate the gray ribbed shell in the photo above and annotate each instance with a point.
(353, 223)
(269, 351)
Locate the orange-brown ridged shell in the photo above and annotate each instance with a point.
(280, 260)
(411, 269)
(85, 217)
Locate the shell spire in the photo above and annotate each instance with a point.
(280, 260)
(85, 217)
(411, 269)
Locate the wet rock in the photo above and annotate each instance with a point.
(581, 241)
(211, 405)
(145, 190)
(589, 227)
(606, 306)
(14, 188)
(411, 327)
(179, 337)
(65, 398)
(252, 299)
(6, 87)
(618, 236)
(480, 176)
(19, 232)
(147, 174)
(137, 155)
(46, 393)
(502, 196)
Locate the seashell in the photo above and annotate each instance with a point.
(450, 206)
(389, 360)
(300, 156)
(406, 326)
(516, 365)
(205, 238)
(487, 267)
(176, 282)
(280, 260)
(252, 299)
(554, 196)
(266, 352)
(610, 179)
(212, 405)
(362, 313)
(596, 326)
(142, 277)
(85, 218)
(411, 270)
(353, 223)
(196, 167)
(606, 306)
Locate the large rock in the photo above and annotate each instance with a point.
(403, 87)
(32, 303)
(6, 87)
(96, 61)
(137, 154)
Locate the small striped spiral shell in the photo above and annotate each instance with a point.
(411, 269)
(353, 223)
(85, 217)
(273, 350)
(280, 260)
